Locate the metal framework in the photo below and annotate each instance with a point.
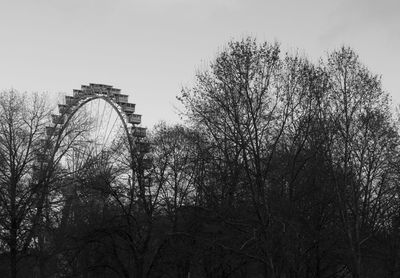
(119, 102)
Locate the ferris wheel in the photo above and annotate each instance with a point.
(95, 150)
(95, 129)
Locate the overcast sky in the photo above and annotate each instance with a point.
(151, 48)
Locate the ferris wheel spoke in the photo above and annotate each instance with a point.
(106, 130)
(103, 110)
(97, 118)
(109, 133)
(101, 131)
(99, 127)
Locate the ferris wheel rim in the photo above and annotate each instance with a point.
(86, 95)
(117, 108)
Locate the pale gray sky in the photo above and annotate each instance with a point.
(151, 48)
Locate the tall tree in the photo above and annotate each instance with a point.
(247, 103)
(22, 123)
(364, 144)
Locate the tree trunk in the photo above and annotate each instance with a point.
(13, 251)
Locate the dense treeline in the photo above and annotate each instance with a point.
(284, 168)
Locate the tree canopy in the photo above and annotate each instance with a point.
(283, 168)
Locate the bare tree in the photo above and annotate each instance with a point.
(22, 122)
(251, 104)
(364, 145)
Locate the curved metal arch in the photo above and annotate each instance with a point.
(50, 144)
(70, 111)
(113, 104)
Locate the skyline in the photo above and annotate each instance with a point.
(151, 49)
